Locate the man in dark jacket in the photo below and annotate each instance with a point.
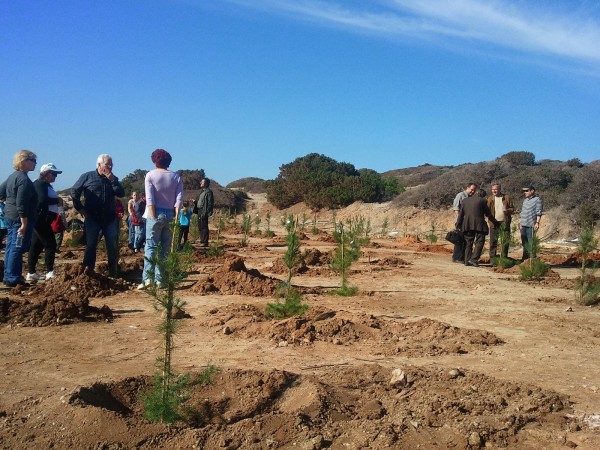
(204, 208)
(99, 188)
(471, 220)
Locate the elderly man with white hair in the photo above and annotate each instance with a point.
(99, 188)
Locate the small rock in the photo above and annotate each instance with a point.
(399, 378)
(337, 341)
(569, 309)
(282, 344)
(571, 444)
(455, 373)
(227, 330)
(573, 426)
(475, 439)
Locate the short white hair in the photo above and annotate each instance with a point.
(103, 157)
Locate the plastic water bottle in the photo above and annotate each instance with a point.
(19, 240)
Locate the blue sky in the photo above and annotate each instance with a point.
(240, 87)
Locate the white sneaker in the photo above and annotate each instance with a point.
(50, 275)
(34, 277)
(144, 284)
(159, 285)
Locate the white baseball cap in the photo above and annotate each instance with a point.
(50, 167)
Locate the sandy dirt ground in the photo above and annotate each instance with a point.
(428, 354)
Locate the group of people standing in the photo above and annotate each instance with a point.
(31, 210)
(471, 208)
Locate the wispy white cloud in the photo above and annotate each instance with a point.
(568, 30)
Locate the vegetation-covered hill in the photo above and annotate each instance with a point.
(320, 181)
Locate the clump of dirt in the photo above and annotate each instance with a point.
(414, 242)
(311, 257)
(572, 260)
(337, 407)
(425, 337)
(62, 300)
(393, 261)
(77, 283)
(46, 312)
(234, 278)
(314, 257)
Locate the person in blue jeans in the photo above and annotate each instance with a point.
(99, 188)
(164, 194)
(20, 205)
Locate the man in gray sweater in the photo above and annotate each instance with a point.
(531, 214)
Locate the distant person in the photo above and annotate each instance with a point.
(164, 194)
(138, 208)
(99, 188)
(502, 208)
(471, 220)
(185, 218)
(130, 226)
(204, 208)
(43, 236)
(531, 215)
(20, 205)
(458, 255)
(59, 225)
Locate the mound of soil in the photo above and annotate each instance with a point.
(234, 278)
(393, 261)
(76, 283)
(44, 312)
(359, 407)
(424, 337)
(62, 300)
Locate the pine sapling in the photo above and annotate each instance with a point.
(162, 403)
(587, 287)
(292, 304)
(246, 225)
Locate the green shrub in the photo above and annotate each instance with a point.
(321, 182)
(501, 261)
(587, 287)
(533, 270)
(290, 307)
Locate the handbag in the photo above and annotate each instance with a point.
(455, 236)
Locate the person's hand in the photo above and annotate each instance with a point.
(107, 172)
(21, 229)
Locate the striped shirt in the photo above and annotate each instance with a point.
(531, 210)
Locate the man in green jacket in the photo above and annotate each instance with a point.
(204, 208)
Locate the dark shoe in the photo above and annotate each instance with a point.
(473, 263)
(10, 284)
(456, 261)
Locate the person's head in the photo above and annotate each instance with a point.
(482, 193)
(529, 191)
(24, 160)
(104, 161)
(134, 195)
(48, 172)
(496, 190)
(161, 158)
(471, 188)
(204, 183)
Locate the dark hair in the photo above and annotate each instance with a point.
(482, 193)
(161, 158)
